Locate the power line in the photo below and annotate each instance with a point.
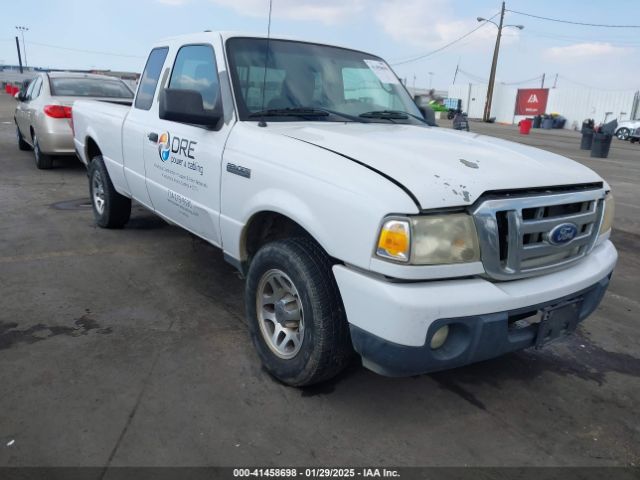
(572, 22)
(420, 57)
(539, 77)
(85, 51)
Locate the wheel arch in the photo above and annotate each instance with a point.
(268, 225)
(91, 148)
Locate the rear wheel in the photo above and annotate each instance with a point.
(43, 161)
(110, 209)
(296, 317)
(623, 133)
(22, 145)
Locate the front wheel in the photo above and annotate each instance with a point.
(110, 209)
(295, 313)
(623, 134)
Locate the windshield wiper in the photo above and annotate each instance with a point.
(290, 112)
(303, 112)
(386, 115)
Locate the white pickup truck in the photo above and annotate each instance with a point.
(358, 226)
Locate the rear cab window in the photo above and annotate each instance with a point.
(150, 77)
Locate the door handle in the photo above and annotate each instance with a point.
(153, 137)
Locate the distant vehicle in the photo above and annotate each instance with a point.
(634, 136)
(43, 113)
(625, 128)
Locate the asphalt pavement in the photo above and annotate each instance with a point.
(128, 347)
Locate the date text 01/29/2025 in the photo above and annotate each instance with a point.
(316, 472)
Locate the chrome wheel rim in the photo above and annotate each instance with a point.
(97, 187)
(280, 314)
(623, 134)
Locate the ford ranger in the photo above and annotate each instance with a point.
(357, 225)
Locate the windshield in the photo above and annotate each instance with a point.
(89, 87)
(347, 85)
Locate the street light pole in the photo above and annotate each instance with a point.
(494, 64)
(22, 29)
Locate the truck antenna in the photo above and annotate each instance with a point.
(262, 123)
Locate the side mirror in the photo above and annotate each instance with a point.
(186, 106)
(20, 96)
(428, 115)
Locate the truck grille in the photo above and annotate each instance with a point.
(516, 233)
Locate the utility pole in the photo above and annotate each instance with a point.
(455, 75)
(19, 56)
(494, 64)
(555, 81)
(542, 85)
(23, 29)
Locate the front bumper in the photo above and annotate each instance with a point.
(392, 323)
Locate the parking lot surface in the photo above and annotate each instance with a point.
(128, 347)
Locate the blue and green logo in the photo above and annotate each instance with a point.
(164, 149)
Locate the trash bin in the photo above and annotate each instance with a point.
(525, 126)
(587, 138)
(559, 122)
(537, 120)
(601, 145)
(547, 123)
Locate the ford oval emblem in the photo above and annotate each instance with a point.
(562, 234)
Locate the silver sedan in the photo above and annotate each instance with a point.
(43, 112)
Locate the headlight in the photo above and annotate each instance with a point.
(430, 240)
(609, 211)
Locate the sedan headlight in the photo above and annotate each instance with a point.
(430, 240)
(609, 211)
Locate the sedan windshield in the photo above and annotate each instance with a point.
(89, 87)
(309, 82)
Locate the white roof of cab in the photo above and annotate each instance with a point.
(225, 35)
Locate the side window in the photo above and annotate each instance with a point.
(195, 69)
(30, 89)
(150, 76)
(36, 89)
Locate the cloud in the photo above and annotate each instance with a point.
(173, 3)
(584, 51)
(327, 11)
(430, 24)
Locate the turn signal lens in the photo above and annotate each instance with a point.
(57, 111)
(609, 212)
(395, 240)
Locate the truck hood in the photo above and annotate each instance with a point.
(441, 167)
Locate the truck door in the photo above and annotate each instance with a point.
(135, 128)
(183, 161)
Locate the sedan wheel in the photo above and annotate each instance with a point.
(43, 161)
(623, 134)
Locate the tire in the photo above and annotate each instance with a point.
(22, 145)
(43, 161)
(623, 133)
(110, 209)
(324, 345)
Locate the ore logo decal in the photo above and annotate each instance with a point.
(164, 149)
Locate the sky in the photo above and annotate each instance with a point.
(116, 35)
